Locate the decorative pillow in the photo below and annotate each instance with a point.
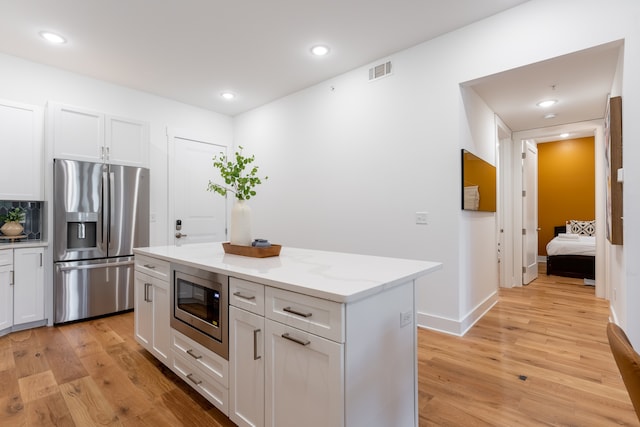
(585, 228)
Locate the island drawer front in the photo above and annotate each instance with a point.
(210, 389)
(214, 366)
(6, 257)
(246, 295)
(153, 267)
(314, 315)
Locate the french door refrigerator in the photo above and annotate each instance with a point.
(101, 212)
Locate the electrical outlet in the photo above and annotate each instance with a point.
(422, 218)
(406, 318)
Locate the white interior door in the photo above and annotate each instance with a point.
(529, 212)
(202, 214)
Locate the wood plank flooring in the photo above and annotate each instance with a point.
(539, 358)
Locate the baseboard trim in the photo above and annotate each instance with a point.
(457, 327)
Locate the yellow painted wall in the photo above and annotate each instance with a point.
(566, 185)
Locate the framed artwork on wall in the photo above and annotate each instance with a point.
(613, 157)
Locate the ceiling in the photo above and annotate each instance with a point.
(193, 50)
(580, 82)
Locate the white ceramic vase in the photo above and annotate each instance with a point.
(240, 233)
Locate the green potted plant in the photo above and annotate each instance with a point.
(12, 219)
(240, 178)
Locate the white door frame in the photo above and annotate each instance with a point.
(504, 209)
(595, 128)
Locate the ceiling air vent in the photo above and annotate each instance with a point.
(380, 71)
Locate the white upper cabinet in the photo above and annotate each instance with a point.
(21, 143)
(92, 136)
(127, 141)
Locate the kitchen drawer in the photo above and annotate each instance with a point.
(246, 295)
(153, 267)
(212, 365)
(6, 257)
(212, 390)
(315, 315)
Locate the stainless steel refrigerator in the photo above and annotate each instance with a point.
(101, 212)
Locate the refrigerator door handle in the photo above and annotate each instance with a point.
(105, 203)
(92, 266)
(112, 198)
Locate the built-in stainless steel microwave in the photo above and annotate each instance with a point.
(199, 306)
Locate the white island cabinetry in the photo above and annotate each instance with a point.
(315, 338)
(246, 352)
(151, 306)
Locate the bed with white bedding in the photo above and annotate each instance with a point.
(571, 255)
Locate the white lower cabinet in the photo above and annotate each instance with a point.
(304, 378)
(201, 368)
(6, 289)
(151, 308)
(21, 289)
(246, 368)
(28, 286)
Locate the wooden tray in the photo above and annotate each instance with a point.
(251, 251)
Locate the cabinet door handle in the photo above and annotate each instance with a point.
(150, 267)
(255, 344)
(40, 260)
(196, 382)
(241, 295)
(192, 354)
(13, 278)
(295, 340)
(297, 313)
(147, 286)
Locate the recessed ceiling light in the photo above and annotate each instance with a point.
(228, 95)
(547, 103)
(52, 37)
(320, 50)
(564, 135)
(550, 116)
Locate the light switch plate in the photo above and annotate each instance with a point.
(422, 217)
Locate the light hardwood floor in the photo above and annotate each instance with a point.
(539, 357)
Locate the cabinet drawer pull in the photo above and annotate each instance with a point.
(192, 354)
(255, 345)
(295, 340)
(240, 295)
(149, 266)
(297, 313)
(196, 382)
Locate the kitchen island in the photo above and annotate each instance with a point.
(315, 337)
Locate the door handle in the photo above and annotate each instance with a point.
(180, 235)
(255, 345)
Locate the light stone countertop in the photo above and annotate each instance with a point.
(7, 244)
(334, 276)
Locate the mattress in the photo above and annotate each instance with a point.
(582, 245)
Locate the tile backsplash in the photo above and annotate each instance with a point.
(32, 218)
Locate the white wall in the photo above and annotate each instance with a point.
(35, 84)
(349, 167)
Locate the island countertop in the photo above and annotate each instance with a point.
(335, 276)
